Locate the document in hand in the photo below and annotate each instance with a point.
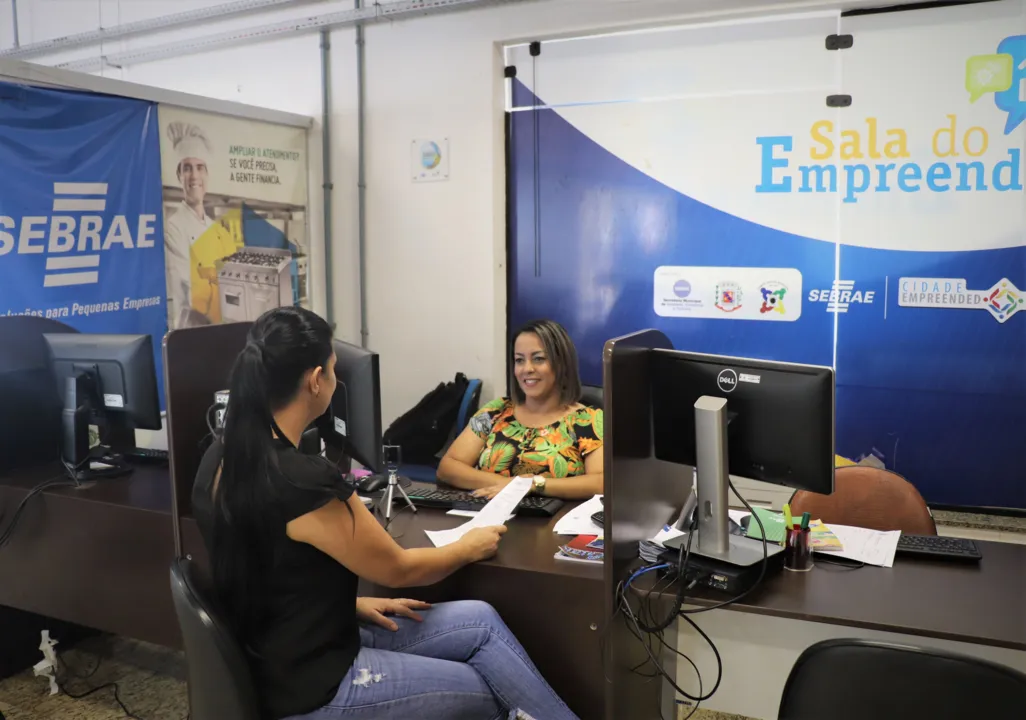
(494, 513)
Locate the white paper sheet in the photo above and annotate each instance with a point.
(470, 514)
(667, 533)
(872, 547)
(578, 521)
(498, 509)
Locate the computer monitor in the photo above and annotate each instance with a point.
(352, 423)
(769, 421)
(105, 380)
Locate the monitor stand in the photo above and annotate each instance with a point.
(83, 463)
(713, 539)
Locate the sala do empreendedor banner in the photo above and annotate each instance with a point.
(81, 240)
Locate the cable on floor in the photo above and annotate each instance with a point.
(645, 626)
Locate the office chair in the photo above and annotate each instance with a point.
(863, 679)
(871, 498)
(220, 684)
(591, 396)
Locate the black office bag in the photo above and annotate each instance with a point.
(423, 431)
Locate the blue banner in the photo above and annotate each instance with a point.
(739, 215)
(81, 231)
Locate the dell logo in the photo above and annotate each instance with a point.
(726, 381)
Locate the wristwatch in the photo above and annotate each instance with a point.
(539, 484)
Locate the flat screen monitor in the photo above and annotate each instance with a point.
(780, 416)
(352, 423)
(105, 380)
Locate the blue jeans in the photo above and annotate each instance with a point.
(460, 663)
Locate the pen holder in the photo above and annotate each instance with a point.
(797, 551)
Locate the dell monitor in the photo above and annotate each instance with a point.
(352, 423)
(109, 381)
(769, 421)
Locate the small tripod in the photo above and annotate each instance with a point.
(392, 466)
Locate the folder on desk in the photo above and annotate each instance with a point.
(772, 521)
(820, 536)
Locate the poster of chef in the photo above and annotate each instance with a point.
(235, 196)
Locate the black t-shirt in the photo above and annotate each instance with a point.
(308, 637)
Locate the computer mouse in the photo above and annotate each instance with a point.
(371, 483)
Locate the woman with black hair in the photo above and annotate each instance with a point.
(289, 541)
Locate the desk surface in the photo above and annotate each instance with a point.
(147, 488)
(983, 604)
(554, 607)
(97, 555)
(529, 543)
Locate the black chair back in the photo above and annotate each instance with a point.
(863, 679)
(220, 684)
(591, 396)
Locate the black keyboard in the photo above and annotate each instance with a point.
(146, 456)
(942, 548)
(430, 497)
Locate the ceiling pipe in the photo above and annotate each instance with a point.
(164, 22)
(283, 28)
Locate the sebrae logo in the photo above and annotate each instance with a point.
(73, 243)
(874, 158)
(842, 296)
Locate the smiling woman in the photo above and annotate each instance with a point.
(543, 432)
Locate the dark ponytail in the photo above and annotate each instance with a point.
(282, 346)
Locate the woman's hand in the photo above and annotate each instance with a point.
(374, 610)
(483, 542)
(492, 490)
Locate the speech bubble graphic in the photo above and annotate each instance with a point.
(987, 74)
(1013, 99)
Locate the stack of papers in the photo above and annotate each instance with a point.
(649, 550)
(578, 521)
(496, 512)
(871, 547)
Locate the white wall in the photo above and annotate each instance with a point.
(436, 251)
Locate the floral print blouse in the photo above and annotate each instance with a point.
(557, 450)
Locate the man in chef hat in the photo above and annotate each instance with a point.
(188, 222)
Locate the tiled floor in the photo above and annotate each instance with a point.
(151, 684)
(150, 680)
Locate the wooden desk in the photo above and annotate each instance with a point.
(983, 604)
(97, 556)
(555, 608)
(927, 602)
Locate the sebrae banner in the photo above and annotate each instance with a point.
(235, 195)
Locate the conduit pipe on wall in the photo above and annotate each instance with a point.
(326, 184)
(361, 181)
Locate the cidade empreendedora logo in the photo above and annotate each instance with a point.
(1002, 300)
(860, 157)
